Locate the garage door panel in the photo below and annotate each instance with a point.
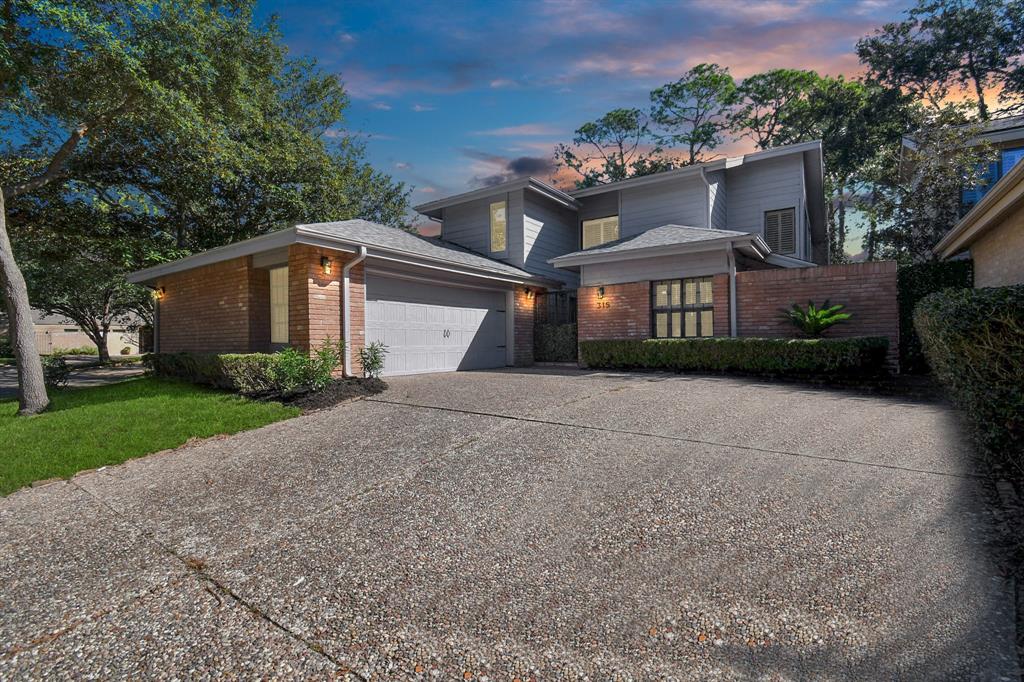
(433, 328)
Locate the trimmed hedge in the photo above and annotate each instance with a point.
(262, 375)
(861, 355)
(554, 342)
(974, 341)
(913, 283)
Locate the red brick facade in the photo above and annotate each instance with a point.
(225, 307)
(624, 312)
(213, 309)
(523, 331)
(868, 290)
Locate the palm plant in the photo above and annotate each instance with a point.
(812, 321)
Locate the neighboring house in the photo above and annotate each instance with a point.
(687, 252)
(993, 233)
(55, 333)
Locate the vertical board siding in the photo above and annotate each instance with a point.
(719, 214)
(598, 206)
(469, 225)
(676, 202)
(764, 186)
(549, 230)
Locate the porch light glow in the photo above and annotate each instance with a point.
(325, 263)
(600, 292)
(529, 293)
(158, 293)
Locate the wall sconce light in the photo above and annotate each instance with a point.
(158, 293)
(325, 264)
(600, 292)
(529, 293)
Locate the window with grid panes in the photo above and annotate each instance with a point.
(682, 308)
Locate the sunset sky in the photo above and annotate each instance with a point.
(452, 96)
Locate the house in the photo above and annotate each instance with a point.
(689, 252)
(992, 233)
(55, 333)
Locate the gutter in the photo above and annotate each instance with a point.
(346, 313)
(707, 198)
(732, 289)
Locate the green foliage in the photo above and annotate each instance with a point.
(371, 357)
(974, 342)
(263, 375)
(694, 111)
(81, 350)
(554, 342)
(56, 371)
(608, 149)
(812, 320)
(6, 349)
(86, 428)
(913, 283)
(854, 356)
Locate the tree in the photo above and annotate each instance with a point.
(925, 197)
(186, 112)
(694, 111)
(974, 46)
(610, 149)
(772, 106)
(89, 288)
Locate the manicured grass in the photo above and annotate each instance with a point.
(87, 428)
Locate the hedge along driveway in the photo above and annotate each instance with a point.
(93, 427)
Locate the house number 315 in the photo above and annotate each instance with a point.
(604, 304)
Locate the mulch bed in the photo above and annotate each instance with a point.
(338, 391)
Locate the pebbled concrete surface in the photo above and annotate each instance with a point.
(554, 524)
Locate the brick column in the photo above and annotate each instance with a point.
(314, 297)
(720, 292)
(357, 309)
(523, 332)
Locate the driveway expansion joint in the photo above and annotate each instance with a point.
(683, 439)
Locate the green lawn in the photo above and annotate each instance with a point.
(91, 427)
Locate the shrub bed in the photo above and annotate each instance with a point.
(913, 283)
(554, 342)
(798, 357)
(974, 342)
(259, 375)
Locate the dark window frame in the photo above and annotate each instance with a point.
(682, 308)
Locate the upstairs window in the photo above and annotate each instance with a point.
(780, 230)
(600, 231)
(683, 308)
(499, 227)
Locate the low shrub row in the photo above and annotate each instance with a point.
(554, 342)
(261, 375)
(862, 355)
(974, 341)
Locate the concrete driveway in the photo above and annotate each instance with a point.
(502, 525)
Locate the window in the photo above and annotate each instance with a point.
(780, 230)
(989, 174)
(499, 225)
(599, 231)
(683, 308)
(279, 305)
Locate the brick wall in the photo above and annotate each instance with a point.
(209, 309)
(357, 309)
(623, 313)
(720, 291)
(997, 253)
(523, 331)
(868, 290)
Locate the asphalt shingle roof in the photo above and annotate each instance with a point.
(373, 234)
(666, 235)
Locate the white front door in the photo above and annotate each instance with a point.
(434, 328)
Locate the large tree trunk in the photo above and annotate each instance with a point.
(32, 398)
(101, 345)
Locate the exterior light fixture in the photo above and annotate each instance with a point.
(529, 292)
(158, 293)
(325, 264)
(600, 292)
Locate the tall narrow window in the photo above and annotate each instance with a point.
(780, 230)
(499, 227)
(279, 305)
(600, 230)
(683, 308)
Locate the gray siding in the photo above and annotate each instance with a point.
(719, 214)
(657, 267)
(469, 225)
(765, 186)
(549, 230)
(599, 206)
(678, 202)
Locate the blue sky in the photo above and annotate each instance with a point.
(452, 96)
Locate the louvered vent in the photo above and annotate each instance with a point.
(780, 230)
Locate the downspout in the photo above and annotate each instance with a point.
(732, 289)
(707, 198)
(346, 313)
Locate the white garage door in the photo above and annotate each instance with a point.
(434, 328)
